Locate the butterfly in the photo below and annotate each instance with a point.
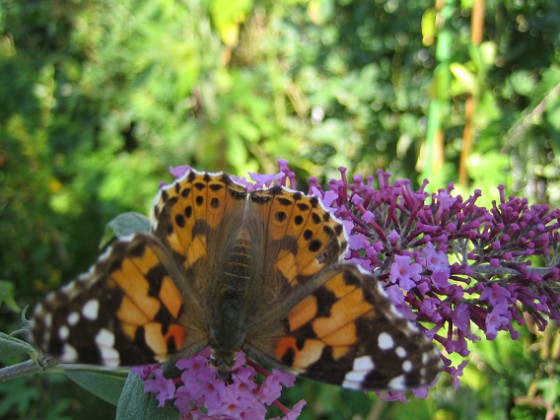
(260, 271)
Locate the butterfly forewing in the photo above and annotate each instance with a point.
(125, 311)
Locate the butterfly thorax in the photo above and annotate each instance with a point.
(228, 326)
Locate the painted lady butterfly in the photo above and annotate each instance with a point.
(256, 271)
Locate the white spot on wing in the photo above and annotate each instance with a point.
(397, 383)
(105, 338)
(401, 352)
(63, 332)
(385, 341)
(85, 276)
(351, 384)
(69, 353)
(91, 309)
(38, 309)
(407, 366)
(48, 320)
(362, 366)
(73, 318)
(355, 376)
(363, 363)
(110, 356)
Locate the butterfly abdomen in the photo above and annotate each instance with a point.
(229, 318)
(228, 323)
(237, 268)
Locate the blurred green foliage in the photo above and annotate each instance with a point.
(98, 98)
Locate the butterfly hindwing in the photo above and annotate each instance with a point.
(346, 332)
(125, 311)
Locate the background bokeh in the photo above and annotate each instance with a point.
(98, 98)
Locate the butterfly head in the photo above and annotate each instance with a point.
(223, 361)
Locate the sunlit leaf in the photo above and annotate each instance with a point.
(429, 28)
(465, 77)
(227, 15)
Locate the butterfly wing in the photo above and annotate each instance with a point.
(334, 323)
(125, 311)
(130, 309)
(188, 211)
(346, 332)
(302, 237)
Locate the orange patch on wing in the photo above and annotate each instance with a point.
(343, 311)
(170, 296)
(279, 227)
(339, 287)
(196, 250)
(309, 354)
(154, 338)
(303, 312)
(345, 336)
(135, 286)
(199, 211)
(175, 243)
(147, 261)
(216, 203)
(286, 264)
(340, 352)
(130, 313)
(295, 230)
(129, 330)
(311, 267)
(284, 345)
(177, 333)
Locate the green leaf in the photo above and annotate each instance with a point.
(17, 396)
(488, 52)
(104, 384)
(135, 404)
(523, 82)
(125, 224)
(464, 76)
(7, 295)
(243, 126)
(11, 347)
(227, 15)
(429, 27)
(236, 151)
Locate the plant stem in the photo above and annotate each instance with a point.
(27, 368)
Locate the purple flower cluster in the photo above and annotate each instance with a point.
(455, 267)
(198, 393)
(449, 263)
